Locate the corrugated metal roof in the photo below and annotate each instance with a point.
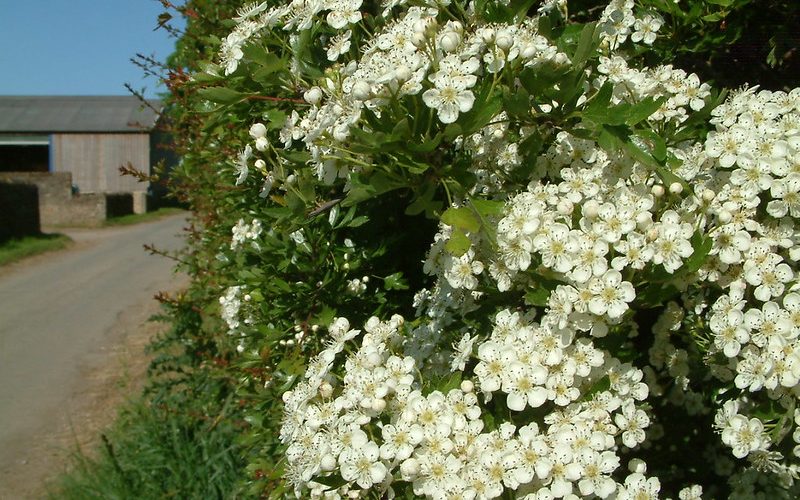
(76, 114)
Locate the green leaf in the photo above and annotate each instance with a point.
(599, 103)
(458, 244)
(517, 103)
(395, 282)
(487, 207)
(424, 201)
(658, 148)
(221, 95)
(643, 109)
(487, 105)
(451, 131)
(270, 64)
(537, 297)
(358, 221)
(427, 146)
(461, 218)
(702, 246)
(587, 43)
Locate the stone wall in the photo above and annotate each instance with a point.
(58, 206)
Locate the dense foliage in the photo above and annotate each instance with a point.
(473, 249)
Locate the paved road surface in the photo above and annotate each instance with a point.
(60, 314)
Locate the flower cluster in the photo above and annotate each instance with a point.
(372, 427)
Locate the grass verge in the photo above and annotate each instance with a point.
(155, 452)
(20, 248)
(126, 220)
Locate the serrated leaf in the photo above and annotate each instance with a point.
(587, 43)
(461, 218)
(458, 244)
(517, 103)
(221, 95)
(642, 110)
(487, 207)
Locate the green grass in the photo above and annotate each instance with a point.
(20, 248)
(152, 452)
(126, 220)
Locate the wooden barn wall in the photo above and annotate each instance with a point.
(94, 160)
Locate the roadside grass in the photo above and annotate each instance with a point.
(17, 249)
(126, 220)
(155, 452)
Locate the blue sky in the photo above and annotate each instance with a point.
(78, 47)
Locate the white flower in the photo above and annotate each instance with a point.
(743, 435)
(645, 29)
(524, 385)
(241, 167)
(448, 99)
(638, 487)
(610, 294)
(494, 361)
(596, 474)
(460, 272)
(338, 45)
(400, 440)
(632, 423)
(361, 464)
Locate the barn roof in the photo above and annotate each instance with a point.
(20, 114)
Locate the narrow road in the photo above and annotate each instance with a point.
(61, 315)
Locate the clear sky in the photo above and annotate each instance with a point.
(79, 47)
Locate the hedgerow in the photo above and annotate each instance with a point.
(479, 249)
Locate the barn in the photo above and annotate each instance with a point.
(88, 136)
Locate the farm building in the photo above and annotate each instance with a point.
(88, 136)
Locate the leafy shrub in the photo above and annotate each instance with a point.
(574, 262)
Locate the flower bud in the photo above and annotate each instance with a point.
(262, 143)
(325, 390)
(418, 40)
(328, 462)
(590, 209)
(374, 359)
(565, 207)
(503, 40)
(313, 95)
(529, 51)
(724, 216)
(402, 73)
(378, 404)
(708, 195)
(676, 188)
(467, 386)
(487, 34)
(450, 41)
(261, 165)
(361, 90)
(258, 130)
(637, 465)
(657, 190)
